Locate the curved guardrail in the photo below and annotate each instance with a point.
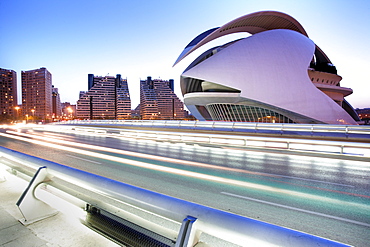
(353, 150)
(195, 219)
(316, 130)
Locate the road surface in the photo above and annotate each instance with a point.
(326, 197)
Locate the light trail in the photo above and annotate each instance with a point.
(238, 170)
(188, 173)
(79, 158)
(297, 209)
(170, 160)
(197, 164)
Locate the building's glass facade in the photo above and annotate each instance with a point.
(245, 113)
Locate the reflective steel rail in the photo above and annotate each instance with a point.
(341, 149)
(314, 130)
(195, 219)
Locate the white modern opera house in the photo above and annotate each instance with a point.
(276, 75)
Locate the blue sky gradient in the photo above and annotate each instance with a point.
(144, 38)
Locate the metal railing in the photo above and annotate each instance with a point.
(324, 130)
(308, 146)
(195, 219)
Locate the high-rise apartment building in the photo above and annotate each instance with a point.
(8, 94)
(37, 93)
(123, 106)
(158, 100)
(56, 104)
(107, 97)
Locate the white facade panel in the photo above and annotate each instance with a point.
(271, 67)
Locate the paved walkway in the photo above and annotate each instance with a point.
(59, 230)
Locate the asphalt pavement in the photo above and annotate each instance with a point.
(333, 193)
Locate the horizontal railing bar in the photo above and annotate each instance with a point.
(232, 126)
(349, 148)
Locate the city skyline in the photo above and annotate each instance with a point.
(73, 39)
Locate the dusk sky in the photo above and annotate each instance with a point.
(144, 38)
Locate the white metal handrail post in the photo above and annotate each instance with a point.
(188, 235)
(32, 208)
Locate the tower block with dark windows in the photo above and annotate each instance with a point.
(158, 100)
(107, 97)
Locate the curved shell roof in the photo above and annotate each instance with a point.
(266, 68)
(252, 23)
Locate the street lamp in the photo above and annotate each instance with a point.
(17, 109)
(33, 114)
(70, 111)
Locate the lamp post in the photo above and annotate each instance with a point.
(17, 109)
(70, 111)
(33, 114)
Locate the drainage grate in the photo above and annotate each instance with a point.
(123, 231)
